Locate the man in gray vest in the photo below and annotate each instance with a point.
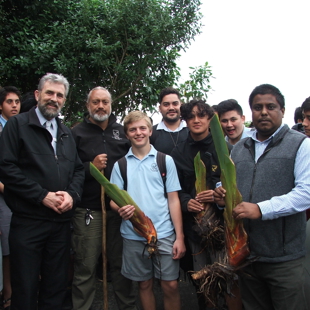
(273, 177)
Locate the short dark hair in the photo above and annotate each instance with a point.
(306, 105)
(186, 109)
(5, 90)
(167, 91)
(28, 101)
(298, 114)
(229, 105)
(214, 107)
(265, 89)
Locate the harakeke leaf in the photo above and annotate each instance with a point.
(201, 181)
(207, 221)
(235, 236)
(141, 223)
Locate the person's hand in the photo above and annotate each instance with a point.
(67, 202)
(247, 210)
(194, 206)
(205, 196)
(126, 212)
(178, 249)
(219, 195)
(1, 187)
(101, 161)
(53, 201)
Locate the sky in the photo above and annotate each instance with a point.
(248, 43)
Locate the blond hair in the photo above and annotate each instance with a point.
(136, 116)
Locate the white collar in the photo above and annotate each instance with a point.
(162, 126)
(43, 120)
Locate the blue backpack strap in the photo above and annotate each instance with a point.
(161, 163)
(122, 163)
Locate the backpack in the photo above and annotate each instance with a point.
(161, 163)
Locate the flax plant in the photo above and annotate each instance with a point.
(141, 223)
(235, 236)
(207, 221)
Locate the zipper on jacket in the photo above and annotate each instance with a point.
(252, 185)
(254, 173)
(58, 170)
(104, 143)
(56, 158)
(62, 143)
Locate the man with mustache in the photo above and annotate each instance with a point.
(43, 179)
(100, 140)
(171, 130)
(273, 174)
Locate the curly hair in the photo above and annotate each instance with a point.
(203, 107)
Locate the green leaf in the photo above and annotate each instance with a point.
(201, 174)
(130, 47)
(228, 171)
(120, 197)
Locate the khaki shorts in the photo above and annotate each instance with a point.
(137, 265)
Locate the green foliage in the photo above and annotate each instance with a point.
(198, 85)
(248, 124)
(130, 47)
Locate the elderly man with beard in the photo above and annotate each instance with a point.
(171, 130)
(43, 178)
(100, 140)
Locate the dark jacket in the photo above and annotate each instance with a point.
(281, 239)
(299, 127)
(165, 141)
(91, 141)
(183, 156)
(29, 168)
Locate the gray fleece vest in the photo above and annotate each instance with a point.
(282, 239)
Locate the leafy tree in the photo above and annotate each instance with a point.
(198, 85)
(130, 47)
(248, 124)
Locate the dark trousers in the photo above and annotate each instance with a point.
(273, 286)
(38, 248)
